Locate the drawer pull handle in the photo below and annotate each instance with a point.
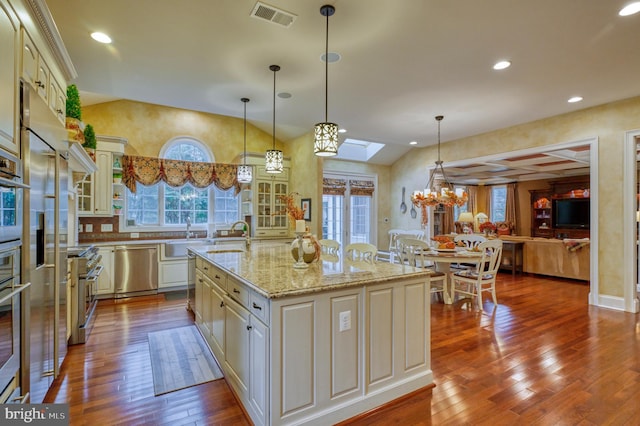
(235, 290)
(222, 304)
(249, 327)
(256, 306)
(39, 84)
(205, 268)
(199, 280)
(217, 277)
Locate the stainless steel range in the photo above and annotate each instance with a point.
(85, 270)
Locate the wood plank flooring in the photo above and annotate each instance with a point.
(542, 357)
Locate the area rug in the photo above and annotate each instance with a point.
(180, 358)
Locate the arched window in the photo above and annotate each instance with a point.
(162, 205)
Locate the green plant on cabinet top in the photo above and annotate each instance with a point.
(89, 137)
(73, 108)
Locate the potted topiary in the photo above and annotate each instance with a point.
(73, 123)
(90, 142)
(117, 177)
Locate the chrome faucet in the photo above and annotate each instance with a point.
(189, 233)
(246, 230)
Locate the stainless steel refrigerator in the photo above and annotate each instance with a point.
(43, 139)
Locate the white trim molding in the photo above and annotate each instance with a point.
(630, 225)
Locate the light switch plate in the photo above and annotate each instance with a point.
(106, 227)
(345, 320)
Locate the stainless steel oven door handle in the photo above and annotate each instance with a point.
(95, 274)
(17, 290)
(12, 183)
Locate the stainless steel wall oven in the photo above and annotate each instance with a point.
(11, 287)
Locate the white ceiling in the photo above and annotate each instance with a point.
(403, 62)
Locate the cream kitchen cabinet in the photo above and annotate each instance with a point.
(36, 72)
(95, 192)
(270, 218)
(317, 354)
(105, 280)
(8, 35)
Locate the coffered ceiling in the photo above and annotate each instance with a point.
(402, 63)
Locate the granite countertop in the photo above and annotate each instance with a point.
(268, 268)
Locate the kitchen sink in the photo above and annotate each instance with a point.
(179, 248)
(225, 250)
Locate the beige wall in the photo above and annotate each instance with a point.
(148, 127)
(305, 169)
(607, 122)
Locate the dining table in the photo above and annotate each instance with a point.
(444, 258)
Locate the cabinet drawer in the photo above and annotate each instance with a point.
(213, 272)
(272, 233)
(259, 306)
(238, 292)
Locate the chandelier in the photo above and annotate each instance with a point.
(439, 190)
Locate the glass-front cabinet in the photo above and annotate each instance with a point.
(270, 208)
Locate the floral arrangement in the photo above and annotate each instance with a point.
(488, 226)
(290, 208)
(449, 198)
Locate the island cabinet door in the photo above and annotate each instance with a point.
(397, 333)
(198, 297)
(236, 354)
(217, 322)
(259, 360)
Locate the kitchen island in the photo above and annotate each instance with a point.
(317, 345)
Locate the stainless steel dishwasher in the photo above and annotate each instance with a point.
(136, 270)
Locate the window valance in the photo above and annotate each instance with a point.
(334, 186)
(176, 173)
(362, 187)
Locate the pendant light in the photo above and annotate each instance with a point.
(274, 158)
(244, 171)
(325, 141)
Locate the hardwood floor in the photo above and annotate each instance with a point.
(542, 357)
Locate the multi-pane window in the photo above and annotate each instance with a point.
(332, 210)
(226, 206)
(161, 204)
(360, 219)
(498, 203)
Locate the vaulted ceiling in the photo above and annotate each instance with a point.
(401, 63)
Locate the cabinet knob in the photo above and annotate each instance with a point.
(249, 327)
(256, 306)
(217, 277)
(222, 304)
(235, 290)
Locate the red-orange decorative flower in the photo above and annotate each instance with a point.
(487, 226)
(290, 208)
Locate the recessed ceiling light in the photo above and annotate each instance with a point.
(284, 95)
(574, 99)
(501, 65)
(101, 37)
(342, 130)
(413, 143)
(630, 9)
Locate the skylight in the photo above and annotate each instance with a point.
(357, 150)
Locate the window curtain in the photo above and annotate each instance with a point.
(361, 187)
(472, 201)
(334, 186)
(510, 213)
(448, 226)
(176, 173)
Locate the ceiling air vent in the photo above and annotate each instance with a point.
(274, 15)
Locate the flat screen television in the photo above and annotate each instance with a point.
(571, 213)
